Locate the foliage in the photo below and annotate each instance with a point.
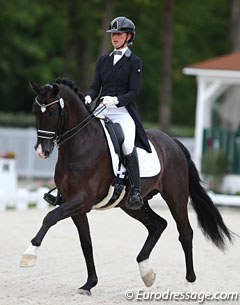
(41, 40)
(214, 167)
(175, 131)
(19, 119)
(9, 155)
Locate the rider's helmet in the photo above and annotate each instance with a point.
(122, 25)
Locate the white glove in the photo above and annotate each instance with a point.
(88, 100)
(109, 100)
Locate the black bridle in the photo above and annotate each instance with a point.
(46, 134)
(57, 136)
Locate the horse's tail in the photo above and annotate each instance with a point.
(209, 218)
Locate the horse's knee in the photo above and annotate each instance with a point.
(52, 218)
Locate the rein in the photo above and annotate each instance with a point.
(60, 139)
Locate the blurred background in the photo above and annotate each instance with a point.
(42, 40)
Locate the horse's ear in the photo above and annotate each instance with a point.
(55, 90)
(35, 87)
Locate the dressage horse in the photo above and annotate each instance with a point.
(84, 173)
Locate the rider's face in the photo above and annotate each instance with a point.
(118, 40)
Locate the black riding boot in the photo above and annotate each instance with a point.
(135, 201)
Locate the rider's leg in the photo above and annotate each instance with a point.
(135, 200)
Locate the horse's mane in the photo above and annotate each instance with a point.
(70, 84)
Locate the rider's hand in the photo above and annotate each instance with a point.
(88, 100)
(109, 100)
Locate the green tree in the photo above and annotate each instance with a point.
(200, 33)
(166, 68)
(31, 48)
(41, 40)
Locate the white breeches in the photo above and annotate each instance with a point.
(121, 115)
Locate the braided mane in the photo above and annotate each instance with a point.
(70, 84)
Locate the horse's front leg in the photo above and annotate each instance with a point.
(82, 225)
(30, 256)
(65, 210)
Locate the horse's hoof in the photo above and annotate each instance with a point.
(84, 292)
(28, 260)
(191, 278)
(149, 278)
(147, 274)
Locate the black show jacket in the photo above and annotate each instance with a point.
(123, 81)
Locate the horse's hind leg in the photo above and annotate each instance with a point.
(155, 226)
(82, 225)
(178, 208)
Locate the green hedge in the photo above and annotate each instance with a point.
(20, 119)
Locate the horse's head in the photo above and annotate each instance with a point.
(48, 108)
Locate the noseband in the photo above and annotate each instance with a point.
(58, 138)
(45, 134)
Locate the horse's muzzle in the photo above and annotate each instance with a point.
(43, 152)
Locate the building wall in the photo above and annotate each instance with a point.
(229, 108)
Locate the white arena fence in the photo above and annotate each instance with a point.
(23, 199)
(22, 141)
(28, 166)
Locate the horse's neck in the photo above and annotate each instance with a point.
(85, 143)
(75, 112)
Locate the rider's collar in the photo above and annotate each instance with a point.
(126, 51)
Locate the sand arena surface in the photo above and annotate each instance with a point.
(117, 239)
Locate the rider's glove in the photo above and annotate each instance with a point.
(88, 100)
(109, 100)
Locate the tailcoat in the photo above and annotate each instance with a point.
(123, 81)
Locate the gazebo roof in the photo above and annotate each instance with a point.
(226, 66)
(225, 62)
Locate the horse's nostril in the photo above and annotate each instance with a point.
(46, 153)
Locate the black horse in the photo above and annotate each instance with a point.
(84, 173)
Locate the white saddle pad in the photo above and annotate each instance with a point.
(149, 164)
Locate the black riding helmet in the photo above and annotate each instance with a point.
(122, 25)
